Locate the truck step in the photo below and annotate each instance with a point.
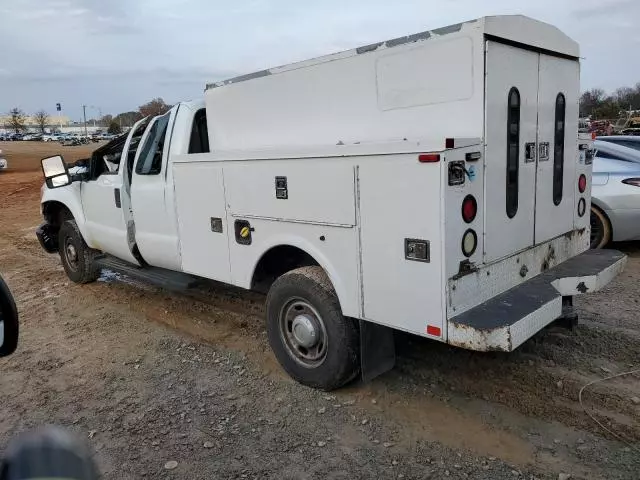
(160, 277)
(507, 320)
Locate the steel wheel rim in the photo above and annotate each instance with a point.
(303, 333)
(71, 253)
(597, 230)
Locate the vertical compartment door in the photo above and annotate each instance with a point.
(559, 83)
(511, 111)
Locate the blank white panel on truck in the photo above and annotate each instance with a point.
(361, 96)
(400, 200)
(426, 76)
(317, 192)
(202, 220)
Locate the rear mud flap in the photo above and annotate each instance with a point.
(377, 350)
(509, 319)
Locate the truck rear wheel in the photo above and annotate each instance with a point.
(76, 256)
(312, 340)
(600, 228)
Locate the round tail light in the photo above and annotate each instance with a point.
(582, 183)
(582, 207)
(469, 208)
(469, 243)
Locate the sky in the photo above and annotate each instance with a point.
(115, 55)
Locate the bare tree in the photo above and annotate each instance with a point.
(127, 119)
(106, 120)
(114, 128)
(17, 120)
(157, 106)
(41, 118)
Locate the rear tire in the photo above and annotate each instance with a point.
(601, 232)
(312, 340)
(77, 258)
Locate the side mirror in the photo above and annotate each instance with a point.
(55, 172)
(8, 321)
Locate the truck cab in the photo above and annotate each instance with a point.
(121, 198)
(433, 183)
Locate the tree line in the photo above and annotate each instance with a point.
(599, 105)
(17, 118)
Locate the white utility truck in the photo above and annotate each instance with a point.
(433, 184)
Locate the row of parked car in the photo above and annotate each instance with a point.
(56, 137)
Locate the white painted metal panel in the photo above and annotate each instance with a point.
(326, 102)
(319, 191)
(528, 31)
(425, 76)
(509, 67)
(199, 192)
(455, 226)
(488, 281)
(399, 199)
(337, 254)
(156, 228)
(105, 222)
(557, 76)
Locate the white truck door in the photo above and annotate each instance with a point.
(105, 205)
(510, 153)
(559, 84)
(156, 231)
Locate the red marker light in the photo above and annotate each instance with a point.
(582, 183)
(469, 208)
(429, 158)
(435, 331)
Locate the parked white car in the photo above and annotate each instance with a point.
(51, 137)
(615, 194)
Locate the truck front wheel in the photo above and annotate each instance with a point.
(76, 256)
(310, 337)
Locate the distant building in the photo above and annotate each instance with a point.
(55, 121)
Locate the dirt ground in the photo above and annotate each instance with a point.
(148, 377)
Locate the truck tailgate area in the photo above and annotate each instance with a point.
(509, 319)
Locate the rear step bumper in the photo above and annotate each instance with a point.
(506, 321)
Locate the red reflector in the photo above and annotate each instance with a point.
(593, 135)
(431, 330)
(429, 158)
(582, 183)
(469, 208)
(450, 143)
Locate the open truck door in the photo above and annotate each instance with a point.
(156, 230)
(105, 195)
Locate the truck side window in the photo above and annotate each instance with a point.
(150, 159)
(199, 142)
(558, 149)
(513, 151)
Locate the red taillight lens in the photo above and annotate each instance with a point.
(582, 183)
(469, 208)
(429, 158)
(632, 181)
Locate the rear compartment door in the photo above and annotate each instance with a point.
(559, 83)
(511, 112)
